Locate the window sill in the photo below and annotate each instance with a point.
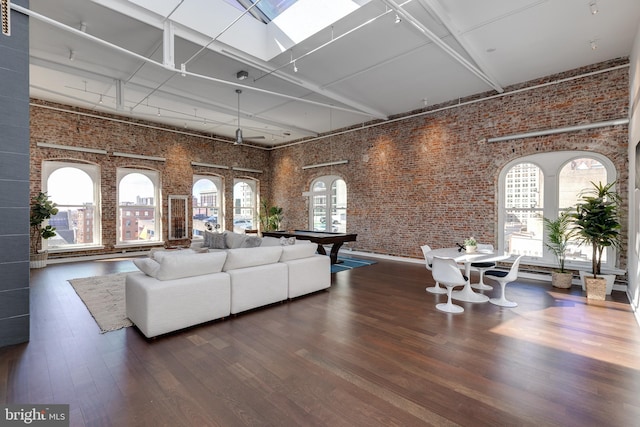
(75, 249)
(139, 244)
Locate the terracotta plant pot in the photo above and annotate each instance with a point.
(561, 280)
(596, 288)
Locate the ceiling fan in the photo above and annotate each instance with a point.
(239, 138)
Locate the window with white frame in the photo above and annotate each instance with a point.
(207, 195)
(138, 219)
(75, 188)
(328, 210)
(540, 186)
(245, 201)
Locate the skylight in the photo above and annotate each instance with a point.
(265, 10)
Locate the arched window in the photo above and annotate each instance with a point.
(207, 196)
(138, 206)
(328, 204)
(75, 188)
(245, 193)
(540, 186)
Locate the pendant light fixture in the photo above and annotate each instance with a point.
(238, 131)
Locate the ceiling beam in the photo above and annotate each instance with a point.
(435, 8)
(441, 44)
(216, 46)
(192, 101)
(150, 61)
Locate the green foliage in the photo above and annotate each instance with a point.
(559, 233)
(597, 220)
(471, 241)
(41, 210)
(270, 216)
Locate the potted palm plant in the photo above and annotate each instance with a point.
(41, 210)
(270, 216)
(559, 232)
(597, 224)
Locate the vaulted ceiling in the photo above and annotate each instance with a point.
(320, 66)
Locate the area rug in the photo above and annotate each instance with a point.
(349, 264)
(104, 298)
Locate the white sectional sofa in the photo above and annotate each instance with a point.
(178, 289)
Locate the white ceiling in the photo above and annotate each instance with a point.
(364, 67)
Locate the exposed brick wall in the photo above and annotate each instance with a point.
(433, 178)
(64, 128)
(427, 179)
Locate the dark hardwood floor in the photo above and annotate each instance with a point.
(371, 351)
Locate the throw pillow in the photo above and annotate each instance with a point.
(148, 266)
(214, 240)
(234, 240)
(270, 241)
(285, 241)
(252, 242)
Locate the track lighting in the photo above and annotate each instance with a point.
(158, 112)
(398, 19)
(100, 102)
(594, 44)
(72, 55)
(242, 75)
(295, 68)
(593, 6)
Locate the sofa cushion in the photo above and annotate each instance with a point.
(251, 257)
(160, 253)
(234, 240)
(291, 252)
(148, 266)
(175, 266)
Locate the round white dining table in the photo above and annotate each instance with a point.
(467, 294)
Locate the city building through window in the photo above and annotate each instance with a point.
(244, 204)
(207, 197)
(75, 188)
(138, 195)
(541, 186)
(328, 204)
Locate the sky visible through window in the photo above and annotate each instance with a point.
(270, 8)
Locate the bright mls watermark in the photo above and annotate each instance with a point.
(34, 415)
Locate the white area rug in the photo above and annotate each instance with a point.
(104, 298)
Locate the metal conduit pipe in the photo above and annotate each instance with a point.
(616, 122)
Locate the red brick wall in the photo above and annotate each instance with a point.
(64, 128)
(427, 179)
(432, 179)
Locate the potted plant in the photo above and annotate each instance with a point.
(471, 245)
(41, 210)
(270, 216)
(559, 232)
(597, 223)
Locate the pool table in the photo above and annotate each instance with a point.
(318, 237)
